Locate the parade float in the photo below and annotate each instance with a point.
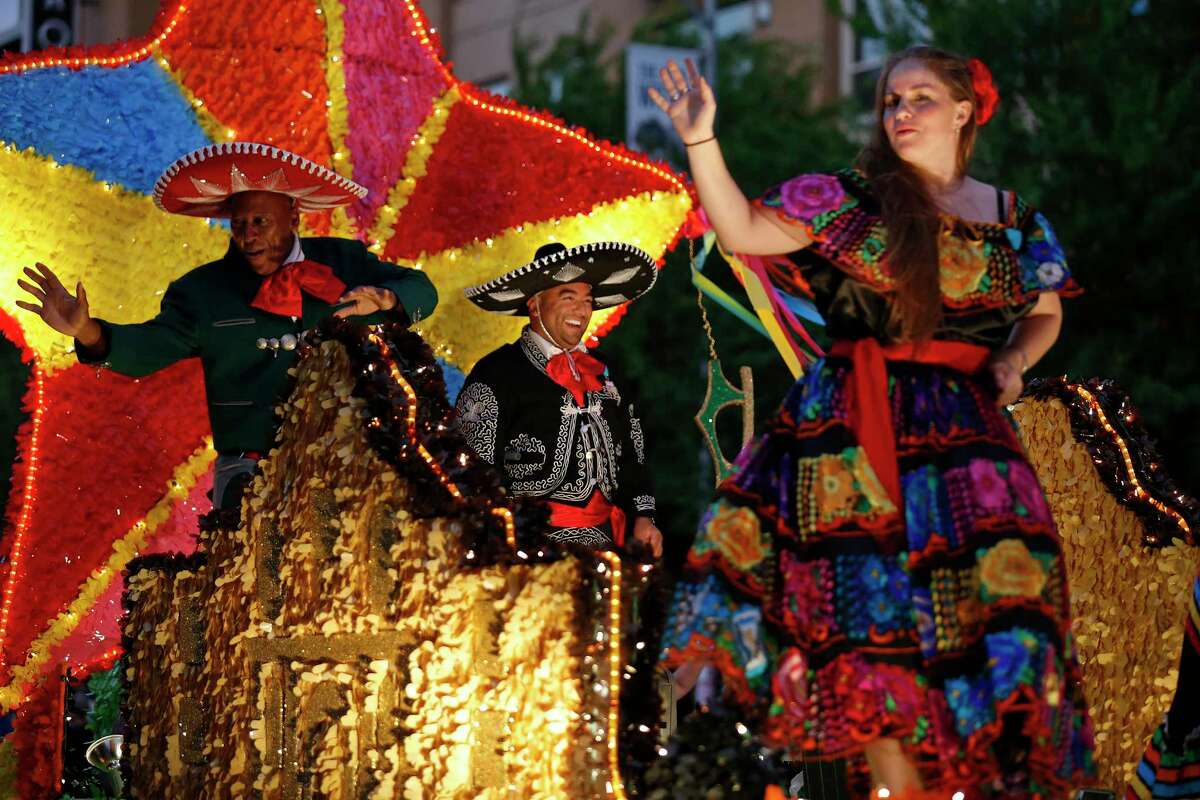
(380, 622)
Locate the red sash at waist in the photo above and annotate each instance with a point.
(867, 393)
(597, 512)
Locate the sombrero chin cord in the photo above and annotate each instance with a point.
(537, 305)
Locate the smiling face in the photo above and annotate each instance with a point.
(263, 225)
(563, 312)
(921, 118)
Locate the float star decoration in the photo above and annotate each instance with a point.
(462, 184)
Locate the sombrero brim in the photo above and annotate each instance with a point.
(617, 273)
(201, 183)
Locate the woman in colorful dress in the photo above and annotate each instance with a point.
(881, 577)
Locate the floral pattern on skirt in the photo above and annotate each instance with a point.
(841, 619)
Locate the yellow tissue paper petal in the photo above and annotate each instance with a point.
(123, 247)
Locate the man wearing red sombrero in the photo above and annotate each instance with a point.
(553, 417)
(241, 315)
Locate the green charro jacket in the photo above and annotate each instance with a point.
(206, 314)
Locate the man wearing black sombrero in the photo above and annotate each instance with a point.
(241, 315)
(553, 417)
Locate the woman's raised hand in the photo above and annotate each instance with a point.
(689, 102)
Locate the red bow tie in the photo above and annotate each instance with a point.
(280, 291)
(585, 378)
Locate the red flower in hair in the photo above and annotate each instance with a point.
(987, 97)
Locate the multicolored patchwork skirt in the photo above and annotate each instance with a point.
(842, 619)
(1170, 767)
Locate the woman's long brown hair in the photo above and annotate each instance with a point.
(909, 213)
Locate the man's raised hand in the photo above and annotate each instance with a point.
(64, 312)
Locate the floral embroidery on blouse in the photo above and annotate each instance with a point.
(808, 196)
(962, 266)
(982, 265)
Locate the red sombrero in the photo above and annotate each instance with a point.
(200, 183)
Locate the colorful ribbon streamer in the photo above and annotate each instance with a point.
(716, 293)
(776, 314)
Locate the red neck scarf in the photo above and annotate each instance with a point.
(280, 291)
(584, 378)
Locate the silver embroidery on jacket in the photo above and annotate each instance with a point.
(532, 351)
(478, 416)
(588, 537)
(563, 445)
(584, 436)
(635, 433)
(519, 451)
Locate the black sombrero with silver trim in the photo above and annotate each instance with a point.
(617, 273)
